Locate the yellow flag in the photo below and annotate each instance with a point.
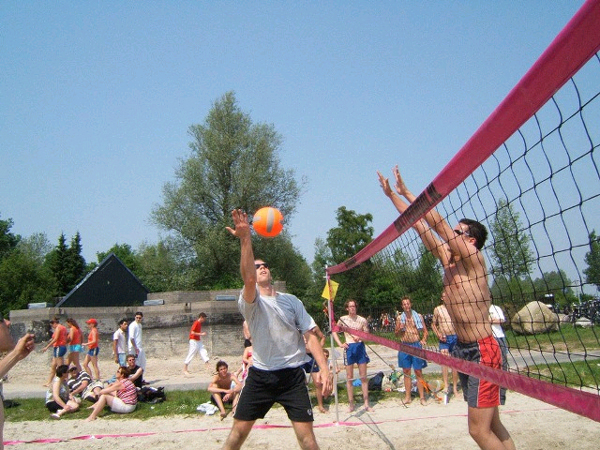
(333, 290)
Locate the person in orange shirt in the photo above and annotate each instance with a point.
(59, 347)
(93, 349)
(74, 343)
(196, 345)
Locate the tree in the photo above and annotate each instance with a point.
(8, 240)
(66, 264)
(24, 280)
(511, 255)
(351, 235)
(75, 261)
(125, 253)
(592, 259)
(234, 163)
(36, 246)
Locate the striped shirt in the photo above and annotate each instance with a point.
(129, 393)
(75, 383)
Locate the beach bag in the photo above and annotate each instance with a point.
(376, 382)
(149, 394)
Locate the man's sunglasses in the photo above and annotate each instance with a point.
(461, 232)
(258, 266)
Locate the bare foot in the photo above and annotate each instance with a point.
(351, 407)
(407, 401)
(423, 402)
(46, 385)
(322, 410)
(89, 419)
(185, 372)
(369, 409)
(223, 415)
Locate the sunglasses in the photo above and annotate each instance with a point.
(461, 232)
(258, 266)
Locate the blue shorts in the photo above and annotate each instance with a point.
(60, 351)
(451, 340)
(407, 361)
(311, 366)
(356, 354)
(93, 351)
(76, 348)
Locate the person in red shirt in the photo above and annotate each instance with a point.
(59, 347)
(93, 349)
(196, 345)
(74, 343)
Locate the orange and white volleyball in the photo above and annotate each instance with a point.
(267, 222)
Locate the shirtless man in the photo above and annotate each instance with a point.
(224, 388)
(355, 353)
(468, 301)
(444, 330)
(411, 329)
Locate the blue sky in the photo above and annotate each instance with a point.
(96, 99)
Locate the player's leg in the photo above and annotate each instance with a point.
(420, 385)
(305, 435)
(480, 429)
(501, 432)
(238, 434)
(350, 386)
(362, 370)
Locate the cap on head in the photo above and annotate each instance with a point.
(94, 321)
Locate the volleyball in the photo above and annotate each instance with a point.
(267, 222)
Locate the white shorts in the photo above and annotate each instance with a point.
(120, 407)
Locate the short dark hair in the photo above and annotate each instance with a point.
(351, 300)
(122, 321)
(61, 370)
(202, 315)
(139, 313)
(221, 363)
(476, 230)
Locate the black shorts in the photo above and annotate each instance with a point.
(222, 394)
(263, 388)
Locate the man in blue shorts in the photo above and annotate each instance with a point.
(277, 323)
(411, 329)
(443, 328)
(354, 353)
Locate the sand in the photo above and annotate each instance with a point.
(392, 425)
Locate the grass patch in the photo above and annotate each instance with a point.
(575, 374)
(573, 339)
(182, 403)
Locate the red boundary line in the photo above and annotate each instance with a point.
(573, 400)
(571, 49)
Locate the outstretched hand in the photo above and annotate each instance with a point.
(385, 184)
(240, 222)
(400, 186)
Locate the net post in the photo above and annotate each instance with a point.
(332, 348)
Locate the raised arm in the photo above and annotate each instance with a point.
(241, 230)
(424, 228)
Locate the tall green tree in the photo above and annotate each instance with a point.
(352, 233)
(234, 163)
(8, 240)
(511, 254)
(592, 259)
(66, 264)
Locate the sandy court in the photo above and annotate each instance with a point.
(533, 424)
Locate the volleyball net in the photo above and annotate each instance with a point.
(530, 174)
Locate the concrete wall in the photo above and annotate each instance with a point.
(166, 327)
